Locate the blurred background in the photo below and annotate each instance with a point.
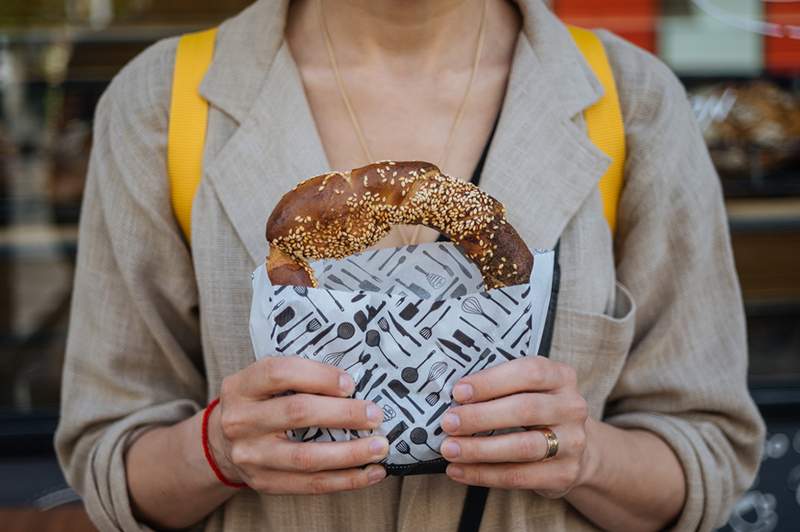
(739, 59)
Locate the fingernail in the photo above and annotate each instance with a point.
(455, 471)
(378, 446)
(451, 449)
(374, 413)
(450, 422)
(376, 473)
(346, 383)
(462, 392)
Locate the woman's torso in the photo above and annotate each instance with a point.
(253, 159)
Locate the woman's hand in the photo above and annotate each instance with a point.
(530, 391)
(247, 431)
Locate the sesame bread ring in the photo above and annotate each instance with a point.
(334, 215)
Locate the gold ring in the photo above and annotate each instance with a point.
(551, 439)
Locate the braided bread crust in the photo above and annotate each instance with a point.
(337, 214)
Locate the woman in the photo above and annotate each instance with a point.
(645, 387)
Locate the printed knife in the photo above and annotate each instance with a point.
(455, 348)
(377, 383)
(465, 339)
(439, 412)
(506, 353)
(402, 331)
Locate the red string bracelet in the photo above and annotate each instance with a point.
(207, 449)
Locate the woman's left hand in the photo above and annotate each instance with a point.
(526, 392)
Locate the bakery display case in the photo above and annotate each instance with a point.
(752, 129)
(739, 61)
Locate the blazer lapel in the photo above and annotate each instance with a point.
(276, 146)
(541, 165)
(245, 49)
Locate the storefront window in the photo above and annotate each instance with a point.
(56, 58)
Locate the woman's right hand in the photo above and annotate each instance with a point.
(247, 430)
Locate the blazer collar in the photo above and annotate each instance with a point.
(541, 164)
(246, 47)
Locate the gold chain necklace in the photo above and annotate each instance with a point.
(354, 119)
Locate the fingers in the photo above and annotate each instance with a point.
(307, 457)
(273, 375)
(555, 477)
(284, 482)
(519, 410)
(524, 446)
(300, 410)
(525, 374)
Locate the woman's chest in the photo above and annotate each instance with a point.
(419, 120)
(423, 121)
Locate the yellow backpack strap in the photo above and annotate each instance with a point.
(604, 121)
(188, 115)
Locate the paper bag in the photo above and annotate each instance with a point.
(407, 323)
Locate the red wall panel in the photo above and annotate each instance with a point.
(634, 20)
(783, 53)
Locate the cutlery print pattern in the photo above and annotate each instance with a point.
(406, 323)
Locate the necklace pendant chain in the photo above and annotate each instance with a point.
(354, 119)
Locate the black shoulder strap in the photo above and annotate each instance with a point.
(475, 501)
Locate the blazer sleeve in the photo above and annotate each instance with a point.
(686, 375)
(133, 357)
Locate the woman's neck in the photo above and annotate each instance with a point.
(400, 35)
(402, 27)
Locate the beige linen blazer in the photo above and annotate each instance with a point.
(652, 320)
